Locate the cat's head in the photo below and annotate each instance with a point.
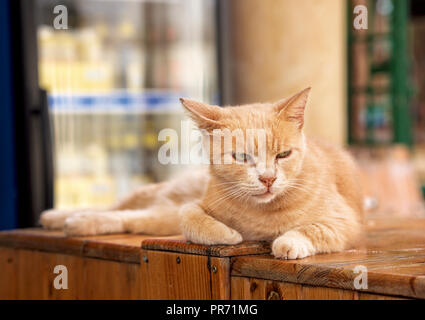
(266, 148)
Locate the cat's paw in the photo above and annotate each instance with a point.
(54, 219)
(225, 236)
(201, 228)
(292, 245)
(93, 223)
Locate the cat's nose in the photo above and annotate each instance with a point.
(267, 181)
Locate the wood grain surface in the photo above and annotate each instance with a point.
(169, 275)
(393, 252)
(259, 289)
(180, 245)
(29, 274)
(117, 247)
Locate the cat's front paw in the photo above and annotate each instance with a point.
(201, 228)
(292, 245)
(225, 236)
(220, 234)
(54, 219)
(93, 223)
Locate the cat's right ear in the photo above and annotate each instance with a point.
(206, 116)
(292, 109)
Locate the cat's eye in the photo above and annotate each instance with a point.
(284, 154)
(241, 157)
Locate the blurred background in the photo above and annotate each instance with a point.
(88, 84)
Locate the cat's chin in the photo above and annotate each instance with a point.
(264, 197)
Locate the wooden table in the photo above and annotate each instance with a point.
(141, 267)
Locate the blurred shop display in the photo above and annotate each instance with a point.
(417, 34)
(390, 180)
(113, 80)
(385, 100)
(379, 81)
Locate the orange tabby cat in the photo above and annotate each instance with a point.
(301, 194)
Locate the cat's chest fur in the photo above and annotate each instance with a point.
(257, 225)
(268, 223)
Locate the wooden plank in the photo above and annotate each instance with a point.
(33, 277)
(282, 290)
(394, 253)
(298, 271)
(396, 239)
(323, 293)
(408, 265)
(408, 269)
(108, 280)
(243, 288)
(169, 275)
(117, 247)
(220, 278)
(125, 249)
(182, 246)
(39, 285)
(38, 239)
(8, 277)
(258, 289)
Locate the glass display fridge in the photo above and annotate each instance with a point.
(95, 81)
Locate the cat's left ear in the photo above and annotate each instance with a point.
(206, 116)
(292, 109)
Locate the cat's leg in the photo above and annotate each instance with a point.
(186, 187)
(160, 220)
(199, 227)
(54, 219)
(189, 186)
(338, 228)
(91, 223)
(293, 245)
(156, 220)
(320, 237)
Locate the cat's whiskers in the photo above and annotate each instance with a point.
(308, 186)
(240, 194)
(226, 196)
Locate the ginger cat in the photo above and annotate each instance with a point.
(301, 194)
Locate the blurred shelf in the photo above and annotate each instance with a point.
(116, 102)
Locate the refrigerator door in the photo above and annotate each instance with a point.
(113, 72)
(32, 141)
(8, 168)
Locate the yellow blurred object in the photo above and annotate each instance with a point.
(150, 140)
(74, 61)
(126, 29)
(76, 76)
(130, 141)
(84, 191)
